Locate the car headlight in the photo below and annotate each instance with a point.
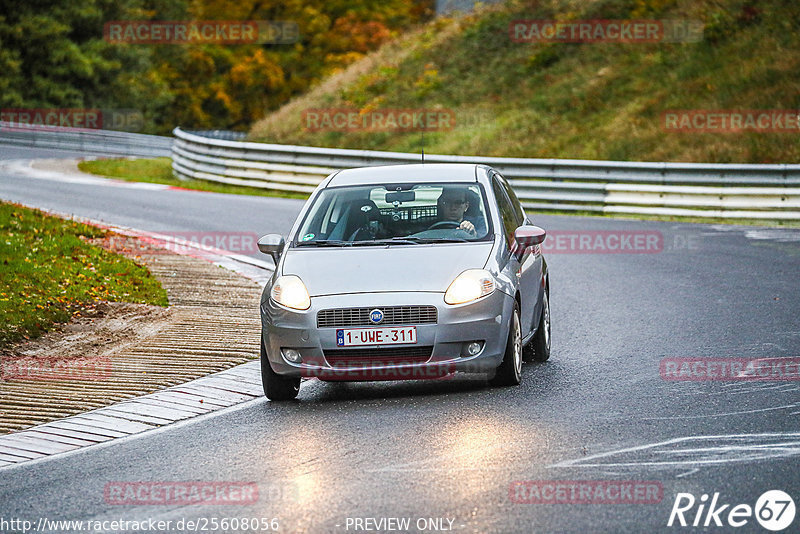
(470, 285)
(291, 292)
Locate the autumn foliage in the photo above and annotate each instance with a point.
(53, 55)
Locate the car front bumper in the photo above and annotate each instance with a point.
(485, 321)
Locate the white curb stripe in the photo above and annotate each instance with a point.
(239, 384)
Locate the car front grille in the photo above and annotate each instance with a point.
(384, 356)
(392, 315)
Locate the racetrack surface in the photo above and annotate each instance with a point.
(599, 410)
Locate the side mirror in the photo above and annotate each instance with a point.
(272, 244)
(527, 236)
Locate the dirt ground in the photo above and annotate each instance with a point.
(116, 350)
(107, 327)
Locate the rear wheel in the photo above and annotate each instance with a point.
(538, 349)
(277, 387)
(509, 373)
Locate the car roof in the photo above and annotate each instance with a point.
(413, 173)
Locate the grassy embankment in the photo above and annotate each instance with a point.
(50, 273)
(571, 100)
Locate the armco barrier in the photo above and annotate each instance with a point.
(103, 142)
(734, 191)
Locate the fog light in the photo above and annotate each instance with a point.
(474, 348)
(291, 355)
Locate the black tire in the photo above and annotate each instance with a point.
(509, 372)
(538, 349)
(277, 387)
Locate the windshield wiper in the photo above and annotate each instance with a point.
(325, 243)
(439, 239)
(396, 241)
(377, 242)
(411, 240)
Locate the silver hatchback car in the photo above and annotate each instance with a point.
(405, 272)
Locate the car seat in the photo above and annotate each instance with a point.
(363, 220)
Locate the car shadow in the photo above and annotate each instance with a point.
(318, 391)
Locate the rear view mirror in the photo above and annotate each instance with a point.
(272, 244)
(400, 196)
(527, 236)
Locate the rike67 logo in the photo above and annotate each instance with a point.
(774, 510)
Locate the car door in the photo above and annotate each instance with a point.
(528, 269)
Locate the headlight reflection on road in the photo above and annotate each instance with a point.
(300, 476)
(467, 457)
(472, 444)
(460, 445)
(306, 487)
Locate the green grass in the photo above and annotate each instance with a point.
(159, 171)
(49, 273)
(580, 100)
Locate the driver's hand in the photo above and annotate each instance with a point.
(468, 227)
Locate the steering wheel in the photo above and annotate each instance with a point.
(445, 224)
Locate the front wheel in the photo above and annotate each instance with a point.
(277, 387)
(539, 348)
(509, 373)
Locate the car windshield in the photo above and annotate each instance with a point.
(405, 214)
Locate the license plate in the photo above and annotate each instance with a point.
(351, 337)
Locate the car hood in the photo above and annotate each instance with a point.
(340, 270)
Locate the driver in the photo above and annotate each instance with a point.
(452, 205)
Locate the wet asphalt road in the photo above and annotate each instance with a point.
(599, 410)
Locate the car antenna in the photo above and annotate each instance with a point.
(423, 145)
